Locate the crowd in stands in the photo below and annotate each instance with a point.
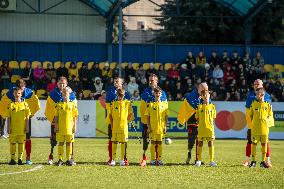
(229, 77)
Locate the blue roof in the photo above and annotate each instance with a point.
(105, 7)
(241, 7)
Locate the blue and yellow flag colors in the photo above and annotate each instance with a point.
(188, 106)
(147, 97)
(27, 96)
(55, 96)
(250, 98)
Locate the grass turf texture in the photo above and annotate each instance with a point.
(91, 170)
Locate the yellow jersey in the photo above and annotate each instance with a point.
(120, 110)
(19, 112)
(66, 112)
(205, 115)
(261, 114)
(157, 112)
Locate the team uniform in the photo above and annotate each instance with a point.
(66, 112)
(187, 115)
(54, 98)
(18, 113)
(147, 97)
(250, 99)
(32, 100)
(110, 97)
(119, 111)
(205, 114)
(262, 119)
(157, 112)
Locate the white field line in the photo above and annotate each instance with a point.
(38, 167)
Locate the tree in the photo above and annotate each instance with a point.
(189, 21)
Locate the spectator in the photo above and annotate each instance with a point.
(173, 74)
(218, 73)
(200, 59)
(106, 73)
(102, 99)
(140, 74)
(73, 71)
(52, 85)
(75, 85)
(132, 86)
(151, 70)
(84, 77)
(258, 62)
(214, 60)
(27, 75)
(184, 74)
(98, 85)
(188, 87)
(225, 57)
(143, 85)
(247, 62)
(228, 97)
(116, 72)
(243, 90)
(39, 76)
(62, 71)
(190, 59)
(192, 72)
(50, 72)
(95, 71)
(129, 72)
(135, 96)
(229, 75)
(162, 74)
(235, 60)
(5, 75)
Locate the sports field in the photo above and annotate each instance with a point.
(91, 170)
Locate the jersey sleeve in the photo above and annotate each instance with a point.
(27, 110)
(147, 113)
(271, 116)
(214, 112)
(75, 111)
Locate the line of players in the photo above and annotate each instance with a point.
(63, 94)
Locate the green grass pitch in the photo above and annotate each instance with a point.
(92, 172)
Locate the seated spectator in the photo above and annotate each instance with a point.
(151, 71)
(235, 60)
(117, 71)
(275, 74)
(188, 87)
(190, 59)
(84, 77)
(200, 59)
(258, 62)
(75, 85)
(95, 71)
(184, 74)
(143, 85)
(225, 57)
(162, 74)
(27, 75)
(5, 76)
(98, 85)
(218, 72)
(173, 74)
(62, 71)
(129, 72)
(243, 89)
(193, 72)
(229, 75)
(214, 59)
(39, 77)
(106, 73)
(52, 85)
(50, 72)
(140, 74)
(132, 86)
(214, 96)
(135, 96)
(73, 71)
(102, 99)
(247, 62)
(278, 89)
(228, 97)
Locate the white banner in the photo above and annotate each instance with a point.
(86, 124)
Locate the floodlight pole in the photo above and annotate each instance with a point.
(120, 31)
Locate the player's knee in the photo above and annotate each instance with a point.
(210, 144)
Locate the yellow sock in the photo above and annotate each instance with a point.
(160, 151)
(152, 150)
(13, 151)
(60, 152)
(21, 151)
(122, 150)
(263, 152)
(114, 146)
(253, 152)
(68, 152)
(199, 152)
(211, 153)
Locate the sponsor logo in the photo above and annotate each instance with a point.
(226, 120)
